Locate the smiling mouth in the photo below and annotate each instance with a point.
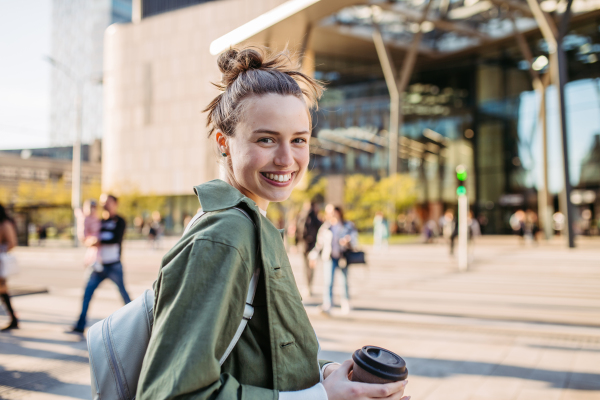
(279, 178)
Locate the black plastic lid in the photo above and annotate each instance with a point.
(381, 363)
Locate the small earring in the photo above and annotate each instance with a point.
(224, 154)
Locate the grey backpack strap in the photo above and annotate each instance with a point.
(248, 313)
(193, 221)
(248, 308)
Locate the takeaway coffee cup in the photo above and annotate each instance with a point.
(374, 364)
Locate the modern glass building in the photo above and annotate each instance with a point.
(78, 45)
(470, 98)
(486, 110)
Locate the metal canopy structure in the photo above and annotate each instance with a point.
(345, 27)
(404, 33)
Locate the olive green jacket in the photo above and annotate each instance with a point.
(200, 296)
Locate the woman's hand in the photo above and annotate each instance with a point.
(339, 387)
(345, 240)
(329, 368)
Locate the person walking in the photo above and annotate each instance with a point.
(8, 240)
(88, 232)
(307, 228)
(260, 124)
(112, 231)
(335, 236)
(380, 231)
(449, 228)
(156, 230)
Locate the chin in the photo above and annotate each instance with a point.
(277, 197)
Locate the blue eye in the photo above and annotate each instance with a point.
(299, 140)
(266, 140)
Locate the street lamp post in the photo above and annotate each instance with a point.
(76, 168)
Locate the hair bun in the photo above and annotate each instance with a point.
(232, 63)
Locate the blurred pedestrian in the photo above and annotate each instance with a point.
(307, 229)
(8, 240)
(531, 227)
(156, 230)
(517, 223)
(138, 224)
(474, 227)
(335, 236)
(111, 237)
(558, 222)
(448, 226)
(381, 232)
(88, 232)
(586, 222)
(430, 231)
(42, 235)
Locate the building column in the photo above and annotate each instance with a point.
(396, 86)
(558, 67)
(539, 84)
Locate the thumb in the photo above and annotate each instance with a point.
(346, 367)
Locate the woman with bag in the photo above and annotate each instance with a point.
(260, 124)
(335, 237)
(8, 240)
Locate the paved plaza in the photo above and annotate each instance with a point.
(522, 324)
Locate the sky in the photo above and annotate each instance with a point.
(25, 29)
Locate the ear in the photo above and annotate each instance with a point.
(221, 141)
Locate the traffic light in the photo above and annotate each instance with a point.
(461, 175)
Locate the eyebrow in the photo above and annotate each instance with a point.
(276, 133)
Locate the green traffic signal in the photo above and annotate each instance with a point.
(461, 191)
(461, 173)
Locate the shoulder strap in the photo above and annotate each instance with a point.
(248, 308)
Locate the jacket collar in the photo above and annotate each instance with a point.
(218, 195)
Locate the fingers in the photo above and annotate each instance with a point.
(345, 368)
(392, 391)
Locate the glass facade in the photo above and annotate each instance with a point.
(154, 7)
(78, 44)
(480, 111)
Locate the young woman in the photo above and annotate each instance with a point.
(8, 240)
(335, 236)
(261, 126)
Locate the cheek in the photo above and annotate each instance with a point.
(247, 161)
(303, 158)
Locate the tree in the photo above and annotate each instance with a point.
(364, 196)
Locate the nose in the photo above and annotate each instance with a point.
(283, 156)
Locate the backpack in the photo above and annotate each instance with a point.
(117, 345)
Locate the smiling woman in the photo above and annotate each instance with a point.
(261, 122)
(199, 349)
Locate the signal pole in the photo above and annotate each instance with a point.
(463, 216)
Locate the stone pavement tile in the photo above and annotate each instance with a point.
(550, 376)
(502, 383)
(457, 388)
(457, 369)
(580, 395)
(539, 394)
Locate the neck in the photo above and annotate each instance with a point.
(260, 202)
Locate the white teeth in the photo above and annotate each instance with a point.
(279, 178)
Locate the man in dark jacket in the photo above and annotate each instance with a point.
(306, 237)
(110, 240)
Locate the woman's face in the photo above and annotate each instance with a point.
(269, 151)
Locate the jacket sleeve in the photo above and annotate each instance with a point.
(200, 297)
